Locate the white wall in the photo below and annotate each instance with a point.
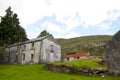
(49, 56)
(35, 50)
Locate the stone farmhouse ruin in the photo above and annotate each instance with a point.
(40, 50)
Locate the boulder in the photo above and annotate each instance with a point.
(113, 54)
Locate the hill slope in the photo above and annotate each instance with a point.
(93, 44)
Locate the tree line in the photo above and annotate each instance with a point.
(11, 31)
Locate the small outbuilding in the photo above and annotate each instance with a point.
(75, 56)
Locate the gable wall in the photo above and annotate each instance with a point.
(48, 55)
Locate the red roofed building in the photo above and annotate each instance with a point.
(75, 56)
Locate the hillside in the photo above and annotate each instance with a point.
(93, 44)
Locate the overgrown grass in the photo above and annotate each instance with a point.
(92, 44)
(36, 72)
(84, 40)
(88, 62)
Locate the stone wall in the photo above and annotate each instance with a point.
(113, 54)
(72, 69)
(51, 51)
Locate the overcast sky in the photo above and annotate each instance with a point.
(66, 18)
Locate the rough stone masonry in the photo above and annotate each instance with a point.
(113, 54)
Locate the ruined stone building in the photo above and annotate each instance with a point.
(39, 50)
(75, 56)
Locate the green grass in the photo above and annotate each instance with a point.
(36, 72)
(84, 40)
(86, 43)
(89, 62)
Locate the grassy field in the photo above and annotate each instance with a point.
(92, 44)
(89, 62)
(84, 40)
(36, 72)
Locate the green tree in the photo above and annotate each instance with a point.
(10, 29)
(43, 33)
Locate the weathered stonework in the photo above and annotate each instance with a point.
(39, 50)
(71, 69)
(113, 54)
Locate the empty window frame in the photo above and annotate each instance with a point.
(68, 59)
(32, 56)
(32, 45)
(78, 57)
(8, 58)
(16, 58)
(51, 49)
(24, 47)
(2, 57)
(23, 56)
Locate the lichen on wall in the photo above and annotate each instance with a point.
(113, 54)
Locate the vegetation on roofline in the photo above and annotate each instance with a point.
(43, 33)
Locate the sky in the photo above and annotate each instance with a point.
(66, 18)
